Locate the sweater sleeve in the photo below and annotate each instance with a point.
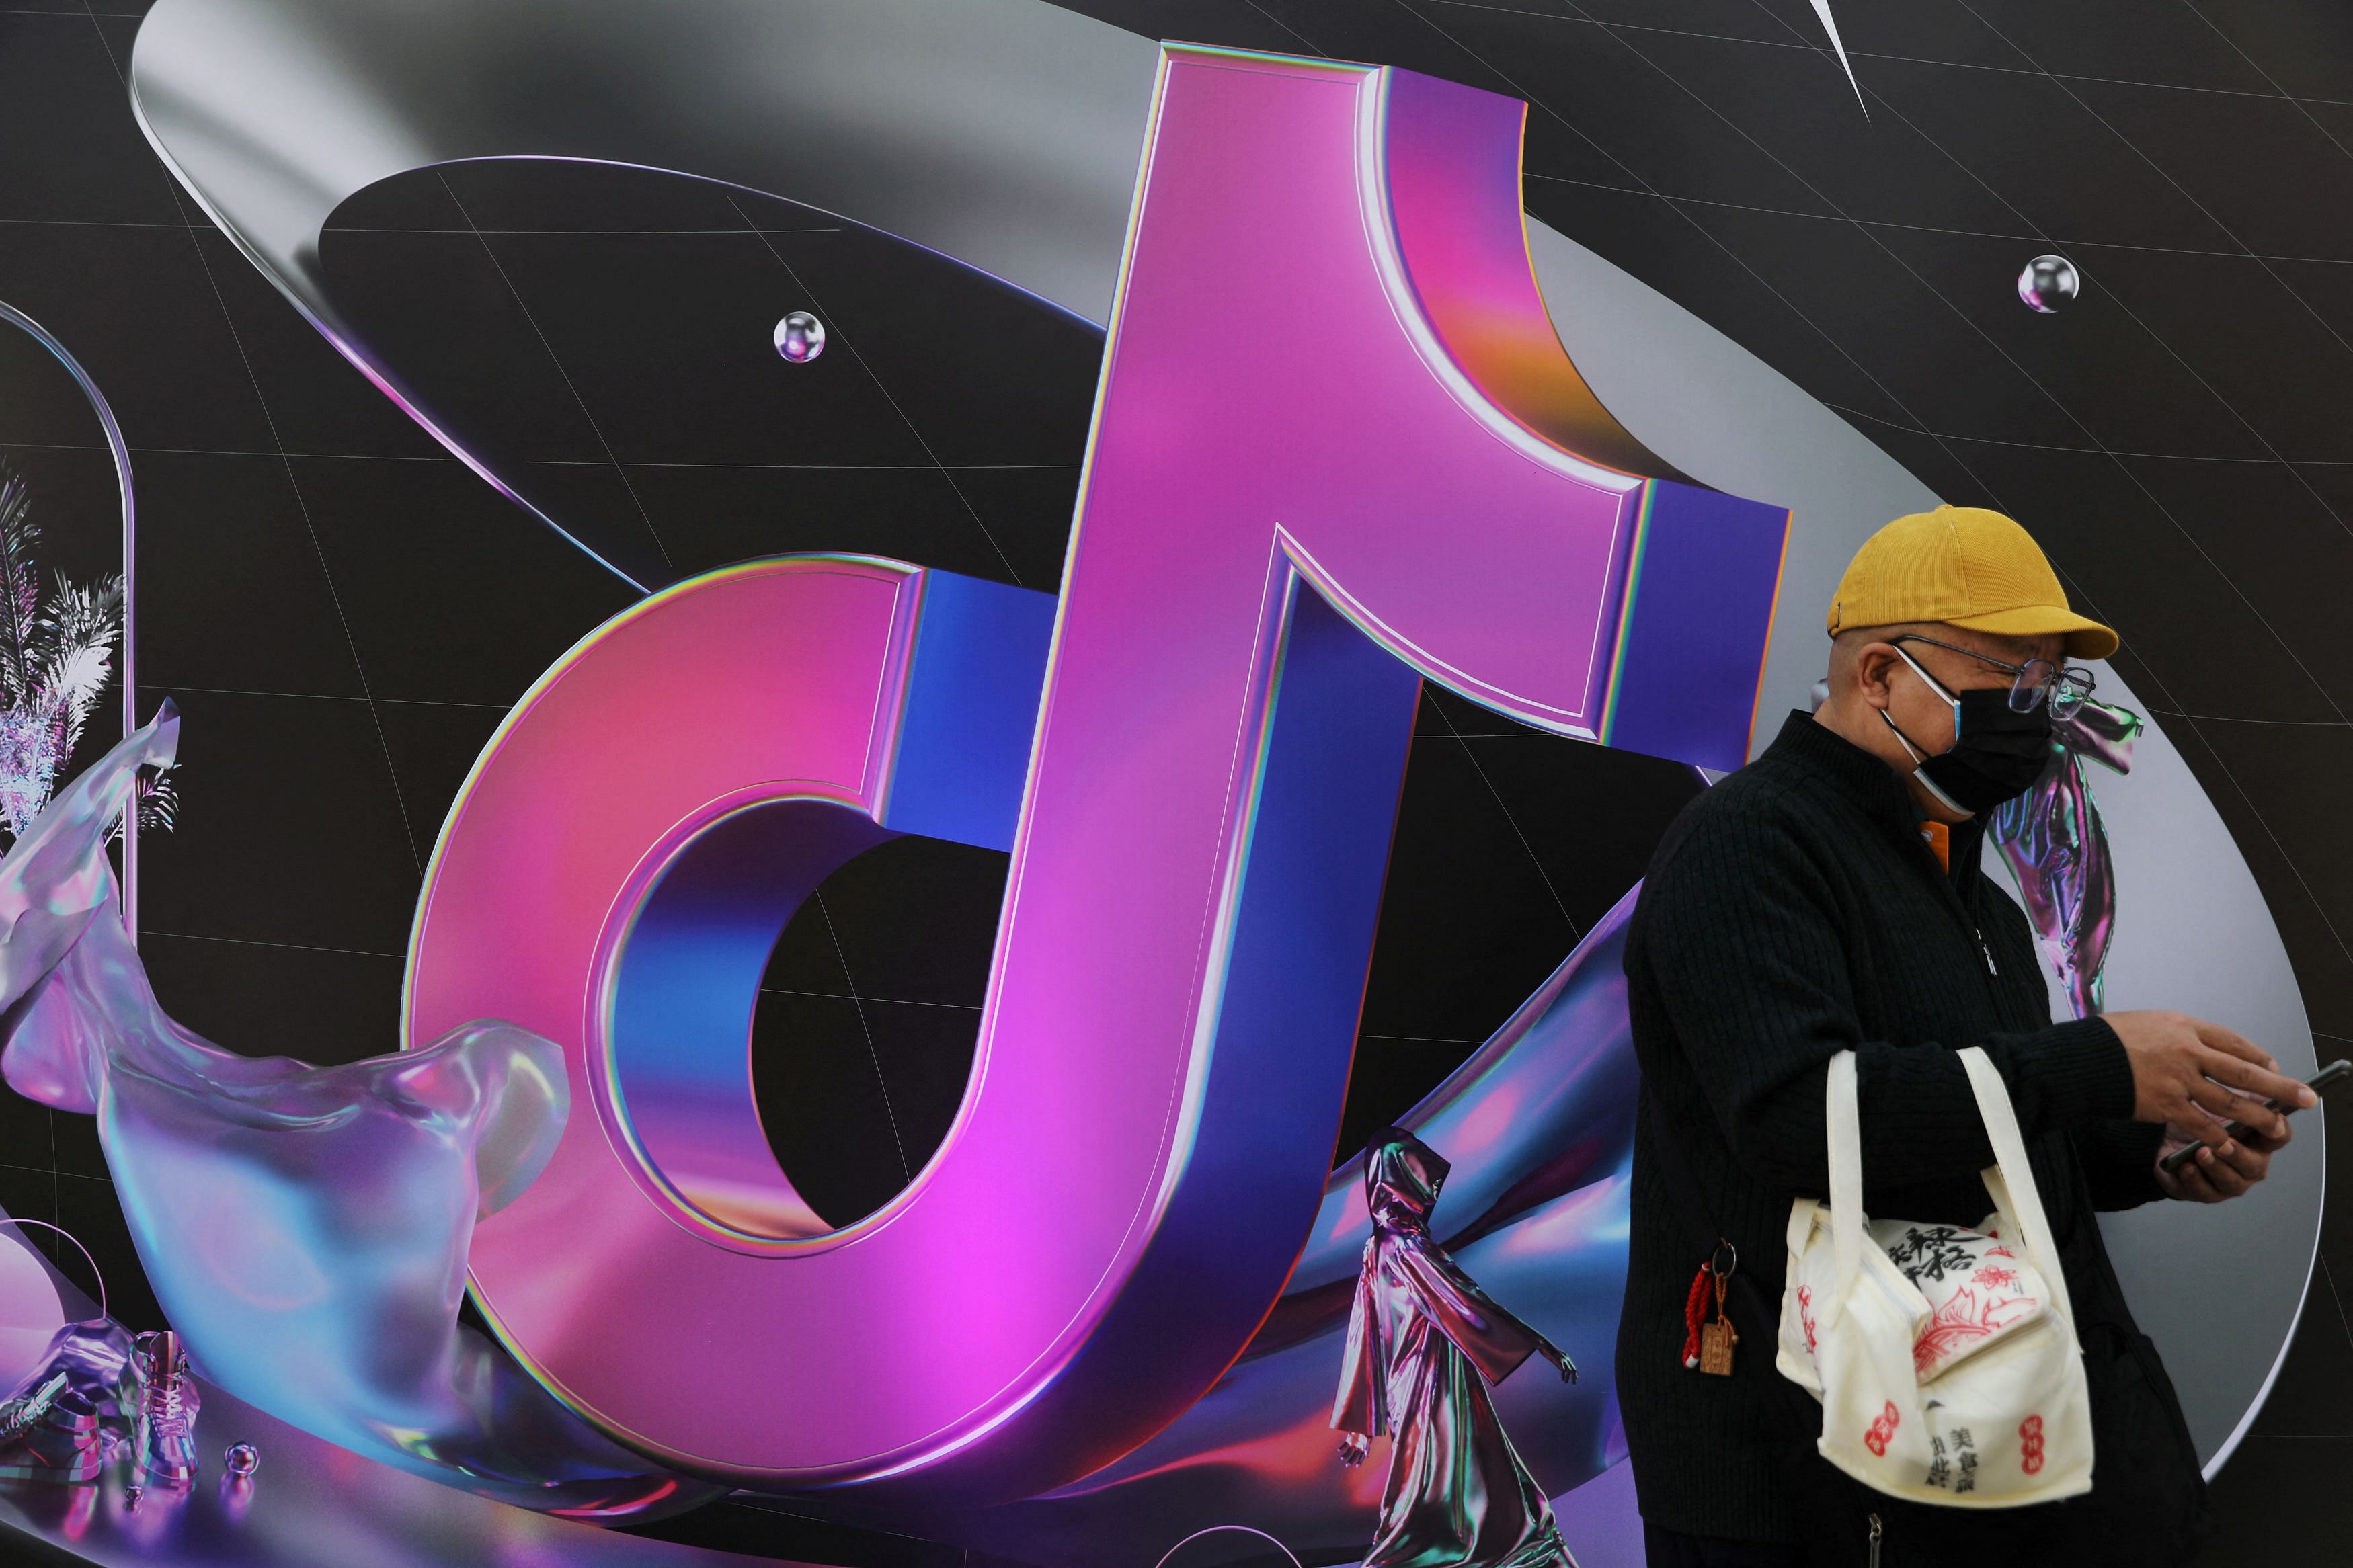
(2119, 1160)
(1744, 943)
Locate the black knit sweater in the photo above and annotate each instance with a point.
(1791, 912)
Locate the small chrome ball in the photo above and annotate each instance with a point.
(2048, 283)
(242, 1459)
(800, 337)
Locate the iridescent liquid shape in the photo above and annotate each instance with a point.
(305, 1228)
(2058, 850)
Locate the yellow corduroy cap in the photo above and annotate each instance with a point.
(1964, 567)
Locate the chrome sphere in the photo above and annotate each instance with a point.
(800, 337)
(242, 1459)
(2048, 283)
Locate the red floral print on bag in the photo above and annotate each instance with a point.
(1964, 1316)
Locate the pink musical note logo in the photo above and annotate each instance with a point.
(1338, 451)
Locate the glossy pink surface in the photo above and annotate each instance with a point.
(637, 735)
(1321, 419)
(1274, 401)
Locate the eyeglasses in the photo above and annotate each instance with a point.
(2067, 687)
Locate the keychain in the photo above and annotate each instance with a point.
(1708, 1346)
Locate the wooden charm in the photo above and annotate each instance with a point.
(1717, 1339)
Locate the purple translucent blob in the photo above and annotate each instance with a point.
(304, 1227)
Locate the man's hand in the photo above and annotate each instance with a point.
(2188, 1073)
(1353, 1447)
(2225, 1169)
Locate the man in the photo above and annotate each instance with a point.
(1828, 898)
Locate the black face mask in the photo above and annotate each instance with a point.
(1998, 753)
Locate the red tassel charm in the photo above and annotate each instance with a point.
(1695, 1313)
(1708, 1346)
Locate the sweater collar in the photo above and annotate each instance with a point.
(1869, 785)
(1864, 780)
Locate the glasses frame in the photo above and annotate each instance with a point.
(2068, 687)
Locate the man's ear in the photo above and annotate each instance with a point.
(1874, 669)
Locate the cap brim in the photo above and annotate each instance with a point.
(2086, 638)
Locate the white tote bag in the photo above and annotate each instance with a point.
(1945, 1359)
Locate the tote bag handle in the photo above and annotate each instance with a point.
(1844, 1125)
(2015, 1177)
(2010, 1181)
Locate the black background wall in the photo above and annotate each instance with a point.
(344, 611)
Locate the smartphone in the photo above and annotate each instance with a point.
(2321, 1082)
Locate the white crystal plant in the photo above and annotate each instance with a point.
(57, 659)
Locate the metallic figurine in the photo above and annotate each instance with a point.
(74, 1410)
(163, 1452)
(2058, 851)
(49, 1433)
(1424, 1343)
